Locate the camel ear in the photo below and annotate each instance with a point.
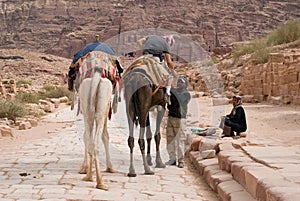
(119, 66)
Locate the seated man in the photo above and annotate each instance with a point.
(236, 120)
(160, 47)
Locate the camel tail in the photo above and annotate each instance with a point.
(94, 88)
(136, 109)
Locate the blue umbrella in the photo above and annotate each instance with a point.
(94, 46)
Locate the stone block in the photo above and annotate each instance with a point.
(226, 145)
(235, 158)
(55, 101)
(258, 97)
(6, 131)
(196, 143)
(292, 77)
(284, 89)
(208, 171)
(64, 99)
(294, 88)
(222, 158)
(207, 144)
(194, 156)
(208, 154)
(207, 162)
(218, 177)
(276, 100)
(241, 196)
(274, 90)
(253, 175)
(33, 122)
(46, 106)
(238, 173)
(276, 58)
(283, 194)
(24, 126)
(266, 89)
(287, 99)
(296, 100)
(11, 96)
(225, 159)
(264, 185)
(226, 188)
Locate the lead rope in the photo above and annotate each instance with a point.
(156, 89)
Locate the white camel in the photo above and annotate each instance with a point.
(95, 95)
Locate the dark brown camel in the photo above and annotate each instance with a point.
(140, 97)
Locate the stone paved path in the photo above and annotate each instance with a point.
(47, 169)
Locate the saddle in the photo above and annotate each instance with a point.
(149, 65)
(108, 65)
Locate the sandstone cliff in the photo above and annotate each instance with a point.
(62, 27)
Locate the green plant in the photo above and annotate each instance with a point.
(58, 92)
(28, 97)
(261, 47)
(20, 82)
(261, 55)
(254, 45)
(285, 33)
(49, 87)
(11, 109)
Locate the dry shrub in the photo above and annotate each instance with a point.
(12, 109)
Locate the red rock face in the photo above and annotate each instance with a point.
(63, 27)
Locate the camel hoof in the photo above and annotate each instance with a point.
(87, 178)
(160, 165)
(102, 187)
(149, 161)
(82, 171)
(131, 175)
(111, 170)
(149, 173)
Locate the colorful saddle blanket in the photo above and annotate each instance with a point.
(98, 61)
(157, 71)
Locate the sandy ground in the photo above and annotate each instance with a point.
(45, 129)
(272, 124)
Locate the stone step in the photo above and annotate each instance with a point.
(233, 191)
(220, 181)
(234, 164)
(260, 181)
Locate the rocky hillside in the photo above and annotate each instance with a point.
(38, 69)
(62, 27)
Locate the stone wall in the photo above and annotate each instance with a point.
(277, 81)
(7, 86)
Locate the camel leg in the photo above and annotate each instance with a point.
(100, 184)
(87, 143)
(141, 142)
(149, 137)
(157, 137)
(130, 142)
(105, 139)
(99, 130)
(131, 167)
(89, 174)
(84, 165)
(102, 108)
